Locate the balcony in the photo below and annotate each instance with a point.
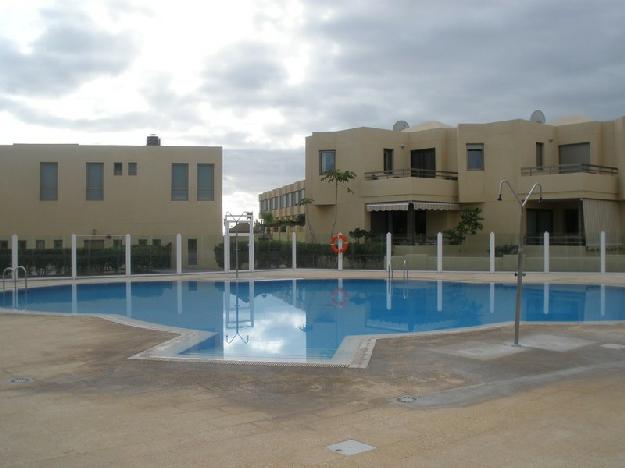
(411, 184)
(569, 169)
(572, 181)
(420, 173)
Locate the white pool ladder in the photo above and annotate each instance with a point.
(391, 271)
(15, 273)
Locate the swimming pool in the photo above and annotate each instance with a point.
(307, 320)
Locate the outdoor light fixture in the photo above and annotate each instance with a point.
(521, 250)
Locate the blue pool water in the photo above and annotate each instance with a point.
(307, 319)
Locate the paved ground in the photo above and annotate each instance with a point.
(471, 400)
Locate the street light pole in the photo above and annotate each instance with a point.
(521, 249)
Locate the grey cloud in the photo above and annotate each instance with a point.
(70, 51)
(257, 171)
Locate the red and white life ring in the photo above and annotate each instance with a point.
(334, 243)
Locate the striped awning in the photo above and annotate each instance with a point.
(418, 205)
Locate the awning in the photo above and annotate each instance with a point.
(418, 205)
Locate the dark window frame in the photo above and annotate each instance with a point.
(179, 194)
(388, 157)
(118, 168)
(321, 155)
(540, 154)
(133, 168)
(46, 193)
(94, 193)
(205, 194)
(473, 151)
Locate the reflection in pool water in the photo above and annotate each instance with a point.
(308, 319)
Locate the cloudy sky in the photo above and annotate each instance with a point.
(256, 77)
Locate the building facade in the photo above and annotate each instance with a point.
(100, 193)
(285, 207)
(414, 182)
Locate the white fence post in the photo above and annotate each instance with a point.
(179, 254)
(340, 256)
(227, 251)
(439, 252)
(14, 255)
(128, 256)
(389, 251)
(492, 252)
(546, 252)
(294, 250)
(74, 257)
(250, 245)
(602, 251)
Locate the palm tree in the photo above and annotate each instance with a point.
(338, 177)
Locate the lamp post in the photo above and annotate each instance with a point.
(521, 250)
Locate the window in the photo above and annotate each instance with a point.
(327, 161)
(539, 155)
(94, 244)
(156, 242)
(95, 181)
(21, 245)
(475, 156)
(117, 243)
(206, 182)
(118, 168)
(192, 251)
(571, 221)
(40, 244)
(58, 244)
(132, 168)
(179, 182)
(283, 201)
(48, 181)
(301, 195)
(143, 242)
(573, 156)
(4, 245)
(388, 160)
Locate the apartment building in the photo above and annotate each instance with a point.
(50, 191)
(414, 181)
(284, 205)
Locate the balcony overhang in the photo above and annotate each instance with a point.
(418, 205)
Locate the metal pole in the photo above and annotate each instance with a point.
(519, 279)
(236, 252)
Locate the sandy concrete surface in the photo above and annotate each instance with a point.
(473, 401)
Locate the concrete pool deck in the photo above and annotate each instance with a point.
(467, 398)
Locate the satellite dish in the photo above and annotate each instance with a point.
(538, 117)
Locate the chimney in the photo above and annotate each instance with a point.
(153, 140)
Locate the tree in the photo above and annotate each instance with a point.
(358, 234)
(305, 202)
(338, 177)
(470, 222)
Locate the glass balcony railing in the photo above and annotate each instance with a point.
(569, 169)
(421, 173)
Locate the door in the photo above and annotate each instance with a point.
(538, 221)
(423, 162)
(192, 251)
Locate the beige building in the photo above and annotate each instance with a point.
(50, 191)
(284, 205)
(414, 181)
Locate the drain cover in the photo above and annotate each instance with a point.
(20, 380)
(613, 346)
(407, 399)
(350, 447)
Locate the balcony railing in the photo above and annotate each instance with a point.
(569, 169)
(421, 173)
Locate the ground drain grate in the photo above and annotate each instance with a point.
(20, 380)
(407, 399)
(350, 447)
(613, 346)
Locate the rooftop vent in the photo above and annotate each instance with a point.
(400, 125)
(154, 140)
